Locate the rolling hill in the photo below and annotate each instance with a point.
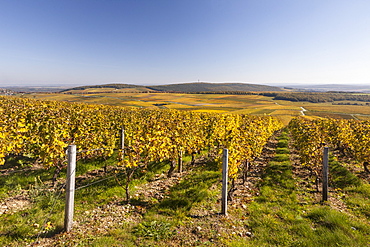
(214, 87)
(197, 87)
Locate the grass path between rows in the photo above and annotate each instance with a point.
(278, 217)
(274, 208)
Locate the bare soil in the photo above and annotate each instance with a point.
(15, 203)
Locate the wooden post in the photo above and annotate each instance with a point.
(122, 141)
(325, 174)
(180, 161)
(70, 188)
(225, 158)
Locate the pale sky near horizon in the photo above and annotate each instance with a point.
(146, 42)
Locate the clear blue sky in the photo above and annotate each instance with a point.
(81, 42)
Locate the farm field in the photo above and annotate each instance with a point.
(219, 103)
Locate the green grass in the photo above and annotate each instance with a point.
(283, 143)
(190, 191)
(282, 151)
(281, 157)
(27, 224)
(276, 218)
(156, 230)
(341, 177)
(21, 175)
(358, 199)
(353, 191)
(194, 191)
(45, 203)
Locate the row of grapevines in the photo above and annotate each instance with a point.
(350, 138)
(43, 130)
(244, 136)
(308, 140)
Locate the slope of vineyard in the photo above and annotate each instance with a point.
(348, 139)
(272, 201)
(43, 129)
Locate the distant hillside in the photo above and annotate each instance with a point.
(106, 88)
(198, 87)
(214, 87)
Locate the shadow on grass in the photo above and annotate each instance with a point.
(282, 151)
(18, 162)
(193, 189)
(17, 236)
(281, 157)
(210, 166)
(279, 175)
(140, 202)
(101, 189)
(340, 177)
(19, 173)
(49, 234)
(30, 224)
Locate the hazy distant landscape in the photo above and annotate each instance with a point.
(332, 87)
(201, 87)
(239, 98)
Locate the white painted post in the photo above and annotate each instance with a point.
(180, 161)
(225, 168)
(70, 188)
(325, 174)
(122, 141)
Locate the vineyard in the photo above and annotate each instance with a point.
(349, 139)
(126, 147)
(43, 130)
